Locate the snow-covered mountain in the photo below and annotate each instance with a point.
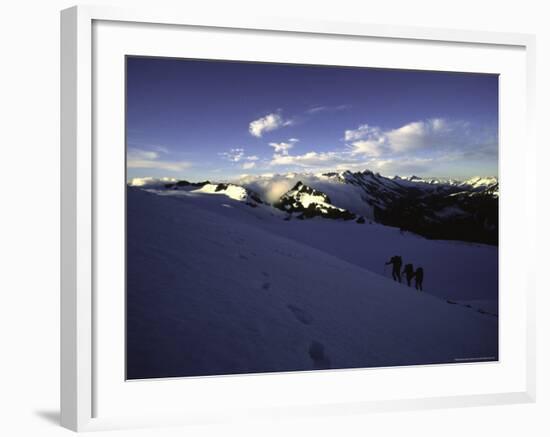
(475, 182)
(310, 203)
(217, 287)
(232, 191)
(482, 183)
(435, 208)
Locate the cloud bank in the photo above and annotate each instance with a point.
(435, 135)
(416, 147)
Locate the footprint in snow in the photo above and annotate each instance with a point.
(266, 286)
(318, 355)
(487, 313)
(301, 315)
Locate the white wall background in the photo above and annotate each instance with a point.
(29, 217)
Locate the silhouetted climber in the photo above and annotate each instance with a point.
(396, 262)
(408, 271)
(418, 278)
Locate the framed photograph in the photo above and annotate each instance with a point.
(270, 218)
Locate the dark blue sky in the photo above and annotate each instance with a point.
(210, 119)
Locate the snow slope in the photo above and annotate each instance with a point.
(452, 269)
(211, 292)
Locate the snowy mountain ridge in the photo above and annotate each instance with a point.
(232, 191)
(435, 208)
(310, 203)
(475, 182)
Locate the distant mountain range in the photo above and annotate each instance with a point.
(435, 208)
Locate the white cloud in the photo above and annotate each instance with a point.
(149, 181)
(366, 140)
(234, 155)
(404, 166)
(270, 186)
(424, 134)
(324, 108)
(248, 165)
(138, 154)
(436, 135)
(238, 154)
(367, 147)
(362, 132)
(267, 123)
(139, 158)
(282, 148)
(161, 149)
(159, 164)
(316, 109)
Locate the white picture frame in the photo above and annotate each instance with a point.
(80, 310)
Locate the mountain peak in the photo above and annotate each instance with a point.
(310, 203)
(233, 191)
